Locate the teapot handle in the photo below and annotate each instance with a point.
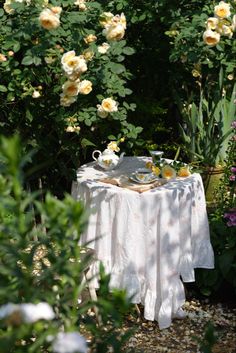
(93, 154)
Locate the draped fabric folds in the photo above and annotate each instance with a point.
(148, 241)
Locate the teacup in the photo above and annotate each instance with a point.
(143, 174)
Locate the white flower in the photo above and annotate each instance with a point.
(8, 309)
(88, 54)
(168, 172)
(211, 38)
(7, 7)
(90, 38)
(81, 4)
(36, 94)
(85, 87)
(233, 25)
(3, 58)
(102, 49)
(222, 10)
(114, 32)
(70, 342)
(105, 18)
(67, 57)
(27, 313)
(66, 101)
(34, 312)
(73, 64)
(212, 22)
(120, 19)
(100, 112)
(70, 88)
(56, 10)
(227, 31)
(109, 105)
(49, 20)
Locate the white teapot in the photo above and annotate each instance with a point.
(107, 159)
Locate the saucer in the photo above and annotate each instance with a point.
(132, 177)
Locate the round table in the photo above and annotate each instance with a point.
(147, 241)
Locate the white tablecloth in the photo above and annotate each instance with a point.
(147, 241)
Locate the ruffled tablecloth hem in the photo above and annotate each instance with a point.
(154, 307)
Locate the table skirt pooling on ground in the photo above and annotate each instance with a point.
(147, 241)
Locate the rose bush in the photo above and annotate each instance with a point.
(58, 63)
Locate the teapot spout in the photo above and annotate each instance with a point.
(121, 157)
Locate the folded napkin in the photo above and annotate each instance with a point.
(124, 182)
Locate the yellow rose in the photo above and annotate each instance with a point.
(184, 172)
(90, 38)
(227, 31)
(114, 32)
(73, 64)
(85, 87)
(100, 112)
(88, 54)
(3, 58)
(109, 105)
(48, 19)
(102, 49)
(149, 165)
(7, 7)
(222, 10)
(233, 25)
(195, 73)
(105, 18)
(36, 94)
(156, 170)
(70, 88)
(56, 10)
(212, 22)
(211, 38)
(73, 129)
(168, 172)
(113, 146)
(66, 101)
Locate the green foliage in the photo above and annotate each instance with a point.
(222, 232)
(226, 192)
(41, 261)
(223, 241)
(208, 340)
(192, 59)
(206, 128)
(31, 84)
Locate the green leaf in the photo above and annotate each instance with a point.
(3, 88)
(226, 261)
(16, 47)
(117, 68)
(27, 60)
(128, 51)
(37, 61)
(85, 143)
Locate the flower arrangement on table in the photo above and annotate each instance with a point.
(169, 170)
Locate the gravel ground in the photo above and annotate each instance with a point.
(183, 335)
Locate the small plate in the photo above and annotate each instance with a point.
(132, 177)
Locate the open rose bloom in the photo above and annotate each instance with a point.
(50, 18)
(211, 38)
(114, 26)
(222, 10)
(223, 24)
